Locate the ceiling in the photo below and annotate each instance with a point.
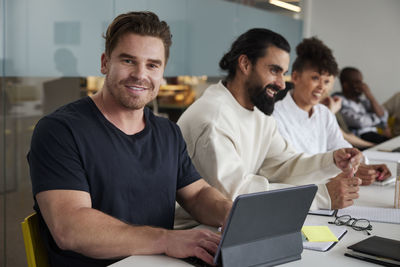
(265, 5)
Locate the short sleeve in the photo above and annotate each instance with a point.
(54, 158)
(187, 173)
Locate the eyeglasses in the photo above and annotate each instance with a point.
(356, 224)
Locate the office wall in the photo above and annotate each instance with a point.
(55, 38)
(362, 33)
(63, 38)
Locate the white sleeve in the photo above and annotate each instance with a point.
(322, 199)
(217, 158)
(283, 165)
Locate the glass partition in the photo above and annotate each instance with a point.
(50, 55)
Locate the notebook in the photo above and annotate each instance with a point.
(377, 249)
(322, 212)
(265, 228)
(338, 231)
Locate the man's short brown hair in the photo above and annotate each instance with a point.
(141, 23)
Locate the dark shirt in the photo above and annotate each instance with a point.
(133, 178)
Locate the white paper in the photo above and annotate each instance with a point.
(382, 156)
(373, 214)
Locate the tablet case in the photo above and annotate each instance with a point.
(265, 228)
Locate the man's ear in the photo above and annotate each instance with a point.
(244, 64)
(295, 76)
(104, 64)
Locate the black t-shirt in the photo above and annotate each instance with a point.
(131, 177)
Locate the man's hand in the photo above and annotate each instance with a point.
(343, 189)
(371, 173)
(347, 158)
(365, 89)
(199, 243)
(376, 107)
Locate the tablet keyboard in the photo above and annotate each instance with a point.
(196, 262)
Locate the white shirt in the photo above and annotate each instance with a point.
(316, 134)
(241, 151)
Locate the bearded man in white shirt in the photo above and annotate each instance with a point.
(234, 142)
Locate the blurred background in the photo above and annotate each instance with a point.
(50, 55)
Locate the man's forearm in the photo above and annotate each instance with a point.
(378, 109)
(97, 235)
(210, 207)
(356, 141)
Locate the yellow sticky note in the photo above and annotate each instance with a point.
(319, 234)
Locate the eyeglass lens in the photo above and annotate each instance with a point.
(356, 224)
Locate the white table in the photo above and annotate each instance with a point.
(388, 145)
(373, 195)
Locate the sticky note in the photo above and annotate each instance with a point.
(319, 234)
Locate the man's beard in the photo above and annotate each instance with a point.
(117, 90)
(260, 99)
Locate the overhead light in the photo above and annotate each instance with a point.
(285, 5)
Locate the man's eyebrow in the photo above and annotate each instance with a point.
(154, 61)
(276, 67)
(124, 55)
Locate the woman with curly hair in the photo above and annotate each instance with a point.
(305, 123)
(300, 112)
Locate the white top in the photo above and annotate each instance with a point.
(241, 151)
(316, 134)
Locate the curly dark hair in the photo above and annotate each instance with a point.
(313, 53)
(144, 23)
(253, 44)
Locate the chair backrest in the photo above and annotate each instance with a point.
(36, 253)
(342, 123)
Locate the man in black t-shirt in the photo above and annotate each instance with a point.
(106, 172)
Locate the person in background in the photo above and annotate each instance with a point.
(360, 110)
(313, 75)
(106, 171)
(334, 103)
(392, 105)
(233, 140)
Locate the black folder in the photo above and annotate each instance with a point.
(377, 249)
